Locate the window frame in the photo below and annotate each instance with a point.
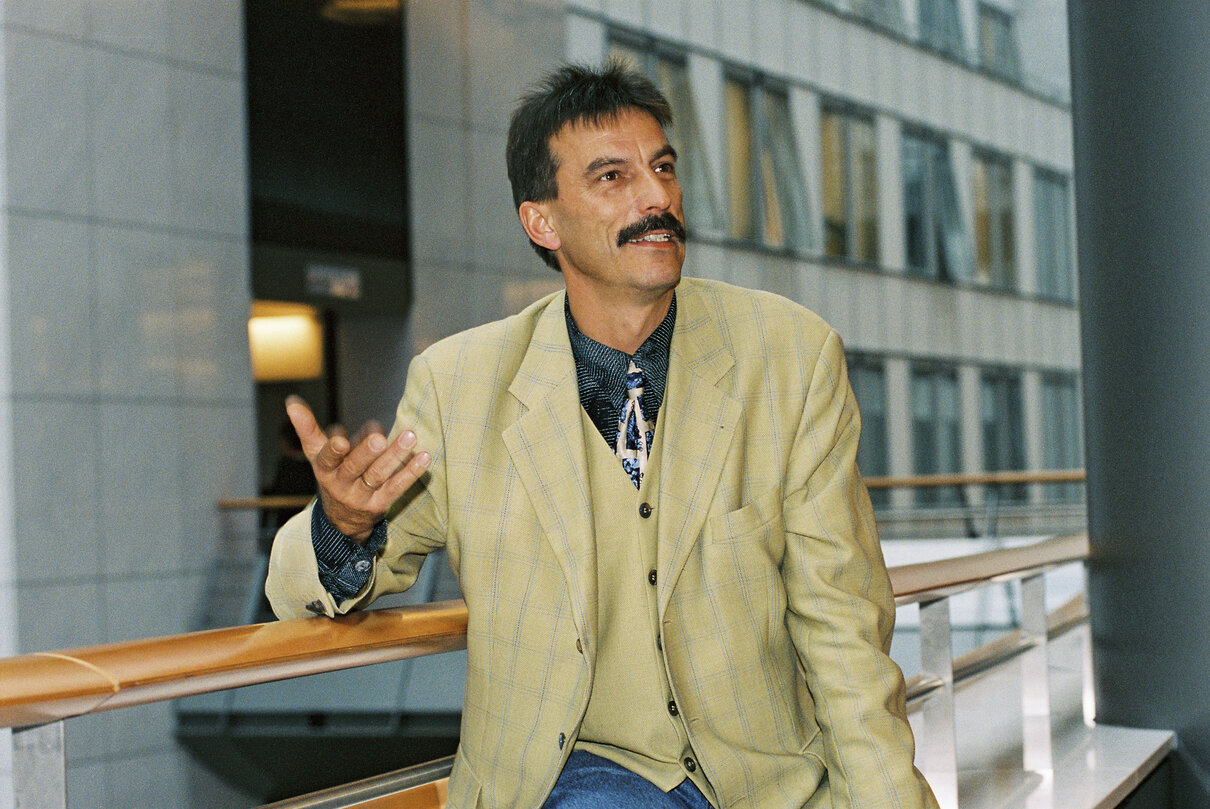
(857, 248)
(934, 373)
(1056, 280)
(1006, 387)
(1000, 270)
(1003, 58)
(947, 244)
(943, 34)
(792, 199)
(873, 459)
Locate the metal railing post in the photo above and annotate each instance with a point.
(938, 742)
(40, 767)
(1035, 678)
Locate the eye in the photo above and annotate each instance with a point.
(611, 175)
(666, 167)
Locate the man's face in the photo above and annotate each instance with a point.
(617, 220)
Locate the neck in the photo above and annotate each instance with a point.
(621, 325)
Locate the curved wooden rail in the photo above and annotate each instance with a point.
(266, 502)
(47, 686)
(925, 581)
(976, 479)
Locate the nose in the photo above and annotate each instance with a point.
(655, 192)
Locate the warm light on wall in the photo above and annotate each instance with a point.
(286, 341)
(361, 11)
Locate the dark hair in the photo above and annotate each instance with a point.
(571, 94)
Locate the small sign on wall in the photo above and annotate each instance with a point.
(330, 281)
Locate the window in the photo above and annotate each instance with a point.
(1061, 433)
(995, 264)
(1003, 429)
(997, 43)
(667, 69)
(768, 197)
(936, 442)
(1052, 234)
(940, 26)
(886, 13)
(937, 246)
(850, 186)
(868, 379)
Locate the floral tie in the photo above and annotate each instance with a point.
(635, 433)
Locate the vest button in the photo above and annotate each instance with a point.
(651, 577)
(659, 643)
(645, 510)
(563, 740)
(690, 764)
(579, 646)
(672, 709)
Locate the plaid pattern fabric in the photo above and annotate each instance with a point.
(772, 593)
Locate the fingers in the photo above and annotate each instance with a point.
(359, 479)
(403, 479)
(388, 458)
(303, 420)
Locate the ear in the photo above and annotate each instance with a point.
(536, 220)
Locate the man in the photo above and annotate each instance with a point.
(647, 488)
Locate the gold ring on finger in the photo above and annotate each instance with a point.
(362, 478)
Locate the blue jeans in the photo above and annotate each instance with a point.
(592, 782)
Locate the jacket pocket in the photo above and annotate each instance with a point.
(756, 520)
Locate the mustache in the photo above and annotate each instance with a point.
(664, 221)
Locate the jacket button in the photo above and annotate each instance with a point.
(579, 646)
(563, 739)
(690, 764)
(659, 643)
(645, 510)
(672, 709)
(651, 577)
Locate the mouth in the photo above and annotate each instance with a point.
(660, 229)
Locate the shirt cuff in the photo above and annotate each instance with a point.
(344, 565)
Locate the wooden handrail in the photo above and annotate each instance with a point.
(925, 581)
(264, 502)
(48, 686)
(976, 479)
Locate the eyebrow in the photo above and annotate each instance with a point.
(609, 162)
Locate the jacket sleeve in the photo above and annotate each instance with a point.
(415, 523)
(840, 606)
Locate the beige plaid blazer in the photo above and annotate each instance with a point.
(773, 598)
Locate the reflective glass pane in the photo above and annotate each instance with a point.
(785, 192)
(835, 204)
(864, 189)
(916, 206)
(1052, 236)
(739, 160)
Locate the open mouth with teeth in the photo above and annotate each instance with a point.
(659, 229)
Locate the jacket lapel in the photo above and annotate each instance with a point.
(701, 424)
(547, 448)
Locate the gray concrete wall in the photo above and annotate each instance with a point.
(125, 393)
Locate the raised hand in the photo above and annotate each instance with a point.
(360, 479)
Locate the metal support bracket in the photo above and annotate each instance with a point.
(40, 767)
